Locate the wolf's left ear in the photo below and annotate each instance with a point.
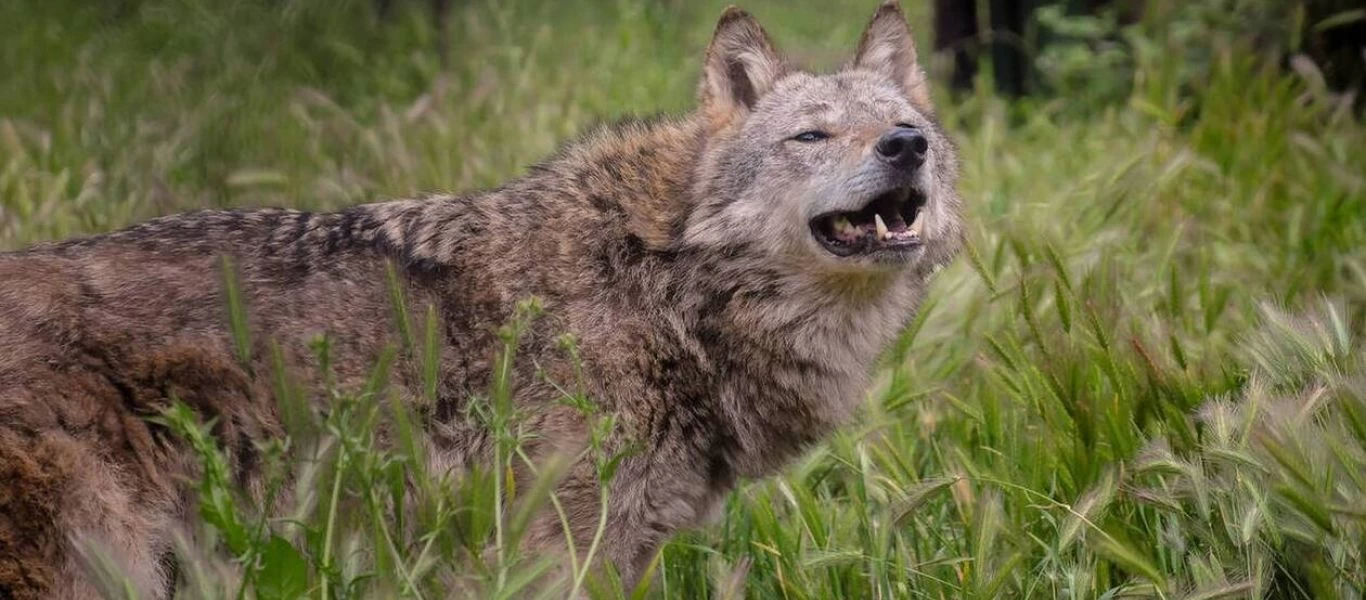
(741, 66)
(887, 48)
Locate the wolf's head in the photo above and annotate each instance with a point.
(845, 172)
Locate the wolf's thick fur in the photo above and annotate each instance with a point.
(678, 251)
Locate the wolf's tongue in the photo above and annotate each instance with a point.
(896, 223)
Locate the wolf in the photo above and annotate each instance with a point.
(729, 276)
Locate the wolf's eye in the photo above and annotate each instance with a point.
(810, 136)
(905, 126)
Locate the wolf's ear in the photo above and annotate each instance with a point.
(741, 66)
(887, 48)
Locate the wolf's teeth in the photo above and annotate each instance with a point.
(918, 226)
(881, 227)
(842, 225)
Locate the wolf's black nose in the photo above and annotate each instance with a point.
(903, 148)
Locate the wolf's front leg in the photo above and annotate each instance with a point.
(649, 498)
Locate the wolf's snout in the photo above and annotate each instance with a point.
(903, 148)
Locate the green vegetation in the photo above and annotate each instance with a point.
(1145, 378)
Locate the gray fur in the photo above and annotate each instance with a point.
(677, 251)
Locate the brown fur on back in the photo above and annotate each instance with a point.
(722, 350)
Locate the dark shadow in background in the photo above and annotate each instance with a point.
(1012, 39)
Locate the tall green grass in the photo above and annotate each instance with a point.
(1144, 378)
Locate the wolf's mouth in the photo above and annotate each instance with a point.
(890, 222)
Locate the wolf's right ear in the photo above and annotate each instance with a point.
(741, 66)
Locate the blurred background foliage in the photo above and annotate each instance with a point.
(246, 79)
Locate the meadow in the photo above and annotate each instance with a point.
(1144, 377)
